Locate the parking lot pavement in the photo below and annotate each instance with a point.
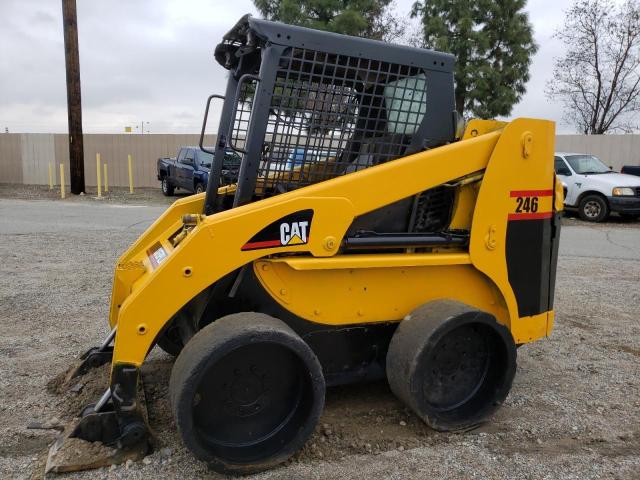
(33, 216)
(578, 239)
(601, 241)
(573, 412)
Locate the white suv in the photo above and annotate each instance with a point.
(594, 189)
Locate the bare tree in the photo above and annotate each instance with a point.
(598, 78)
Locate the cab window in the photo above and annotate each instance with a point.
(561, 167)
(188, 158)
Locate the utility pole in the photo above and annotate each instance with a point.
(142, 127)
(74, 105)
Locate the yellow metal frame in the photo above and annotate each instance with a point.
(326, 287)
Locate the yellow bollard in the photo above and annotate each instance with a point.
(98, 174)
(106, 178)
(130, 175)
(62, 181)
(50, 176)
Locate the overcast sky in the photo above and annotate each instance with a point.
(152, 61)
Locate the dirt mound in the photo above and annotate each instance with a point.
(79, 392)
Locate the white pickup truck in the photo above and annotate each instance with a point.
(594, 189)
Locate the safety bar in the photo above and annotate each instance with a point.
(204, 122)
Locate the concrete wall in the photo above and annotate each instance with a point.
(11, 158)
(25, 157)
(613, 150)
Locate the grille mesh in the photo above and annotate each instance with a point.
(332, 115)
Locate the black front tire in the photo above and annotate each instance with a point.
(593, 208)
(246, 393)
(199, 188)
(451, 364)
(167, 188)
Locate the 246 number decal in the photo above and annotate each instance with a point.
(530, 204)
(527, 204)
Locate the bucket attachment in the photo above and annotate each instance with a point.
(109, 432)
(99, 439)
(70, 453)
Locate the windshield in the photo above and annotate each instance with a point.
(204, 158)
(586, 164)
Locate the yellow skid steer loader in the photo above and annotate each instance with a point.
(369, 235)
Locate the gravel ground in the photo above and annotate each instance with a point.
(573, 412)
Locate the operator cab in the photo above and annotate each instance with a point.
(334, 104)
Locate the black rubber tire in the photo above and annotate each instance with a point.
(593, 208)
(167, 188)
(630, 216)
(199, 188)
(246, 393)
(451, 364)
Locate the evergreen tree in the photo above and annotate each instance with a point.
(363, 18)
(492, 41)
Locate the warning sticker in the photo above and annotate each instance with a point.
(157, 255)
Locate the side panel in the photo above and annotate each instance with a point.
(528, 262)
(511, 231)
(362, 293)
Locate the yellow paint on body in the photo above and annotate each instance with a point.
(348, 289)
(365, 294)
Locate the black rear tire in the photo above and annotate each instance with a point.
(167, 188)
(451, 364)
(593, 208)
(246, 393)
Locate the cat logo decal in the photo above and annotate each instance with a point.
(294, 233)
(294, 229)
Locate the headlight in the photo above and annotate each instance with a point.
(623, 191)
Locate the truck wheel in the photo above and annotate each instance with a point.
(451, 364)
(593, 208)
(167, 188)
(246, 393)
(199, 188)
